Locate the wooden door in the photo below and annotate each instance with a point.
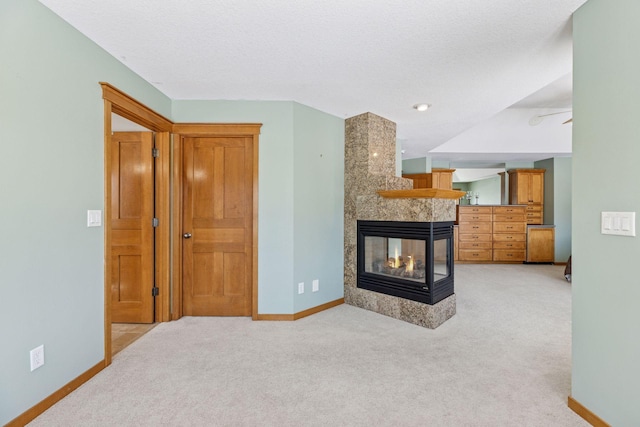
(217, 226)
(131, 248)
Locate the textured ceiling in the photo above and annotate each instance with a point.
(469, 59)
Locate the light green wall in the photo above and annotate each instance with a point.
(462, 186)
(549, 189)
(318, 193)
(562, 206)
(518, 165)
(51, 172)
(488, 189)
(419, 165)
(606, 131)
(441, 164)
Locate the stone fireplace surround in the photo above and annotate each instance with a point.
(370, 165)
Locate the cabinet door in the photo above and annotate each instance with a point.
(435, 180)
(524, 188)
(420, 182)
(419, 179)
(541, 245)
(536, 188)
(445, 180)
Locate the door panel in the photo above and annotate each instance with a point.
(523, 186)
(132, 234)
(218, 213)
(537, 187)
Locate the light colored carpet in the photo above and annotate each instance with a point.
(503, 360)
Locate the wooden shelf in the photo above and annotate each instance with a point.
(422, 193)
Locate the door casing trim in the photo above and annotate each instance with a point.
(185, 130)
(118, 102)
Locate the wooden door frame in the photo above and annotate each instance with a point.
(181, 130)
(168, 203)
(117, 102)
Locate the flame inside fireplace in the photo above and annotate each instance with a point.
(410, 264)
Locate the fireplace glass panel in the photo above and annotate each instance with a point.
(396, 257)
(440, 264)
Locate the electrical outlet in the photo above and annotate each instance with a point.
(37, 357)
(301, 288)
(315, 285)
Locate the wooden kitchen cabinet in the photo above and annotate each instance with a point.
(526, 187)
(474, 233)
(437, 178)
(492, 233)
(541, 243)
(509, 233)
(419, 179)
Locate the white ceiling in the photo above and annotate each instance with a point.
(471, 60)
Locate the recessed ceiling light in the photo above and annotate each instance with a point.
(422, 107)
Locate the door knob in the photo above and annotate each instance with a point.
(187, 235)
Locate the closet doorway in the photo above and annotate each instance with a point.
(137, 220)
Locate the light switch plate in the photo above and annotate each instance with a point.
(618, 223)
(94, 218)
(301, 288)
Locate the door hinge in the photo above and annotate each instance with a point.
(155, 291)
(155, 152)
(155, 222)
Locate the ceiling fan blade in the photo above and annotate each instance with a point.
(568, 121)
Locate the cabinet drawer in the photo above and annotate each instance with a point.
(506, 210)
(474, 237)
(508, 255)
(475, 210)
(475, 245)
(474, 227)
(510, 245)
(534, 219)
(509, 217)
(510, 227)
(534, 208)
(475, 255)
(471, 217)
(510, 237)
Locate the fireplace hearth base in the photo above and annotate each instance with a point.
(425, 315)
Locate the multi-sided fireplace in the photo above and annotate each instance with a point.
(411, 260)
